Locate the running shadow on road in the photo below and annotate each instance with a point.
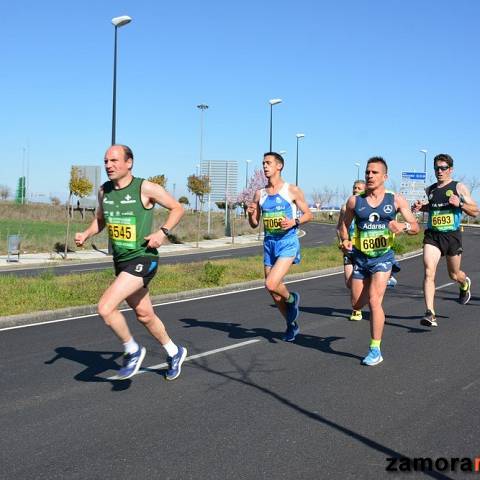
(242, 376)
(96, 363)
(235, 330)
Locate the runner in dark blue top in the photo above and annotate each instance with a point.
(374, 212)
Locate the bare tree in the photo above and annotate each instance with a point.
(323, 197)
(5, 192)
(472, 183)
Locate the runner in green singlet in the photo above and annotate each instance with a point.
(125, 207)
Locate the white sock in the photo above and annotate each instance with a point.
(131, 346)
(171, 348)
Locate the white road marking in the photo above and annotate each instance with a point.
(446, 285)
(184, 300)
(466, 387)
(154, 368)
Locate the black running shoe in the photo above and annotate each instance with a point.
(429, 319)
(464, 296)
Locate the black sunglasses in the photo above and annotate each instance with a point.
(443, 168)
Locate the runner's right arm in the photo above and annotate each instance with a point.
(97, 225)
(345, 242)
(253, 210)
(339, 224)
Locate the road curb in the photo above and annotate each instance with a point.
(86, 310)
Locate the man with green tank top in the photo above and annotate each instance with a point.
(125, 208)
(374, 211)
(447, 202)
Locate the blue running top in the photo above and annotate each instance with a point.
(274, 209)
(372, 235)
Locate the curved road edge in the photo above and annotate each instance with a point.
(70, 313)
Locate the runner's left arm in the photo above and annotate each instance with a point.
(152, 194)
(410, 225)
(299, 199)
(464, 201)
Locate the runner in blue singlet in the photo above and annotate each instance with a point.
(277, 204)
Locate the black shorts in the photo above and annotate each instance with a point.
(145, 267)
(449, 243)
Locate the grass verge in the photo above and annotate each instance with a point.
(50, 292)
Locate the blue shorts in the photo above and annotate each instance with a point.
(365, 267)
(284, 247)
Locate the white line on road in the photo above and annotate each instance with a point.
(154, 368)
(185, 300)
(445, 285)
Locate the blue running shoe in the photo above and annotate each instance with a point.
(291, 332)
(175, 364)
(374, 357)
(131, 364)
(292, 308)
(392, 281)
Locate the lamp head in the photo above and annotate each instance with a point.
(121, 21)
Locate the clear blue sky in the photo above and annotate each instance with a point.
(359, 78)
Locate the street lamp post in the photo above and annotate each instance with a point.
(202, 107)
(424, 161)
(272, 102)
(246, 173)
(358, 171)
(196, 196)
(117, 22)
(299, 136)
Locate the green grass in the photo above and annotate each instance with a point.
(49, 292)
(43, 226)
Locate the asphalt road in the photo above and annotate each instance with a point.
(262, 409)
(316, 234)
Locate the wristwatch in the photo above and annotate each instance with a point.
(297, 222)
(461, 204)
(165, 230)
(407, 227)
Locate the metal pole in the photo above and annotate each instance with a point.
(358, 172)
(202, 108)
(296, 169)
(271, 119)
(246, 174)
(114, 103)
(226, 194)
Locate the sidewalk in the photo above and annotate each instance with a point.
(166, 250)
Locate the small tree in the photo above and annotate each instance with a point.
(199, 186)
(159, 180)
(55, 201)
(4, 192)
(80, 187)
(184, 201)
(257, 181)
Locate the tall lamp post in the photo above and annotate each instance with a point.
(299, 136)
(272, 102)
(424, 161)
(246, 172)
(117, 22)
(358, 171)
(202, 107)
